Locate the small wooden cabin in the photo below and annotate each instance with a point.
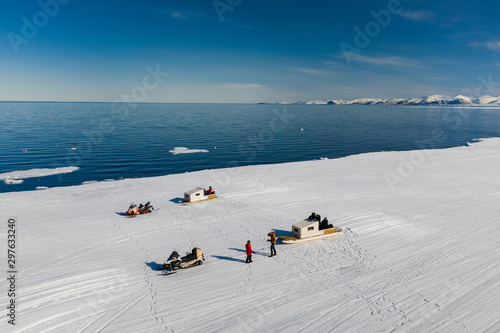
(196, 194)
(306, 228)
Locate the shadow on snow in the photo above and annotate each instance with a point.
(228, 258)
(254, 252)
(154, 266)
(279, 232)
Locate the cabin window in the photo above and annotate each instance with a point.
(310, 228)
(197, 194)
(295, 229)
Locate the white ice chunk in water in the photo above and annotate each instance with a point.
(184, 150)
(16, 177)
(10, 181)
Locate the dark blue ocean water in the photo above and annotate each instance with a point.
(115, 141)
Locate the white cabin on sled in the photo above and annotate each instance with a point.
(306, 228)
(196, 194)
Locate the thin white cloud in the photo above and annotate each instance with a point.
(309, 71)
(490, 45)
(183, 14)
(244, 86)
(177, 15)
(418, 15)
(244, 26)
(388, 61)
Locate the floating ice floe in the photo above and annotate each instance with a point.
(184, 150)
(41, 187)
(10, 181)
(16, 177)
(109, 180)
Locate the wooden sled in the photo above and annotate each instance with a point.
(326, 233)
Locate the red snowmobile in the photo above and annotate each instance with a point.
(134, 210)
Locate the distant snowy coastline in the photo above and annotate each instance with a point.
(427, 100)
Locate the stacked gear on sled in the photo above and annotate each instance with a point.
(193, 258)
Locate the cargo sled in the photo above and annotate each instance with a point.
(308, 230)
(195, 258)
(198, 194)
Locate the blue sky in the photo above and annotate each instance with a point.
(247, 50)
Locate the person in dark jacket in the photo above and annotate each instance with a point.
(273, 242)
(323, 224)
(173, 259)
(249, 251)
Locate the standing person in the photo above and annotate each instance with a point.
(273, 242)
(248, 248)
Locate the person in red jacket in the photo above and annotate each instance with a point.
(249, 251)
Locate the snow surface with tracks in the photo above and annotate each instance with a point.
(418, 255)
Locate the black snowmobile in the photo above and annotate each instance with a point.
(194, 258)
(147, 208)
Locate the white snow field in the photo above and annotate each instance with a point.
(419, 252)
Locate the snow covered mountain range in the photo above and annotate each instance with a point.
(428, 100)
